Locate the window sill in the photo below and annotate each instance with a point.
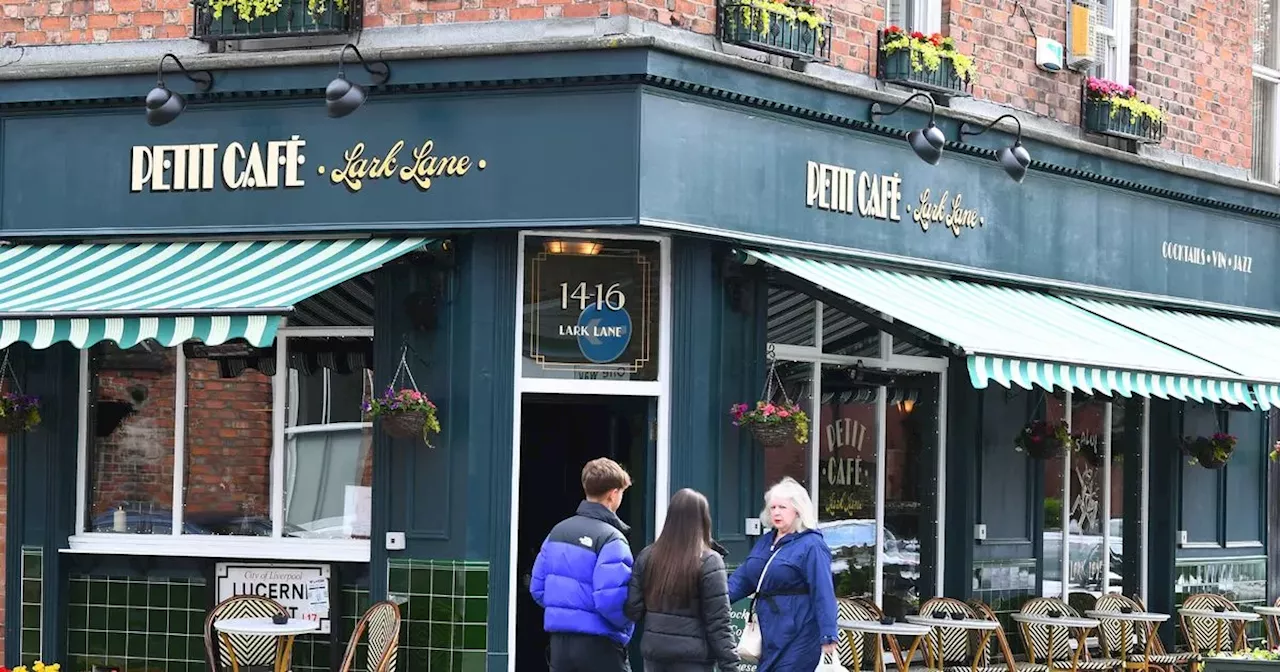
(253, 548)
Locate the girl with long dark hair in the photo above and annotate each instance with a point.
(680, 590)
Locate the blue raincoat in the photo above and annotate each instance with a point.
(796, 606)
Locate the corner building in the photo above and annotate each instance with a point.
(588, 229)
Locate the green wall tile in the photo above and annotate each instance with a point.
(444, 613)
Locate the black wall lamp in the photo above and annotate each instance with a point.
(163, 105)
(342, 97)
(926, 142)
(1014, 159)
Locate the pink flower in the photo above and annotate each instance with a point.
(769, 409)
(784, 414)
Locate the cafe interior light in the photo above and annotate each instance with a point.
(926, 142)
(163, 105)
(1014, 158)
(583, 247)
(342, 97)
(906, 406)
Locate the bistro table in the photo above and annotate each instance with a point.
(1236, 618)
(1272, 622)
(264, 627)
(1063, 621)
(1127, 620)
(987, 628)
(916, 632)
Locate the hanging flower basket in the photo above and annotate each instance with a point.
(773, 425)
(18, 412)
(1210, 452)
(405, 414)
(1043, 439)
(927, 62)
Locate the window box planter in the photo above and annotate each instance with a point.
(787, 29)
(1115, 110)
(925, 62)
(293, 18)
(1257, 661)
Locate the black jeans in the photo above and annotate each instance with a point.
(653, 666)
(587, 653)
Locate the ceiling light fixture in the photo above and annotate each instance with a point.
(342, 97)
(1015, 158)
(163, 105)
(926, 142)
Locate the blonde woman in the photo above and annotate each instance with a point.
(791, 565)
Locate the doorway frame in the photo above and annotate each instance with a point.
(659, 390)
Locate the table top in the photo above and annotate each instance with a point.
(1063, 621)
(964, 624)
(878, 628)
(264, 626)
(1267, 611)
(1144, 616)
(1220, 615)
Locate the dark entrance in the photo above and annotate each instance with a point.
(558, 435)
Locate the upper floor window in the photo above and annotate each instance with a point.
(1111, 38)
(922, 15)
(1266, 91)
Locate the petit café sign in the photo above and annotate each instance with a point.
(282, 164)
(849, 191)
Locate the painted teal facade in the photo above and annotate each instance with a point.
(622, 140)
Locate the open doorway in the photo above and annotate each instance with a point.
(558, 435)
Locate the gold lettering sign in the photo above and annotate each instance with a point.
(848, 191)
(1203, 256)
(278, 164)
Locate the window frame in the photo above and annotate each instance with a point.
(1119, 33)
(214, 546)
(1270, 74)
(929, 11)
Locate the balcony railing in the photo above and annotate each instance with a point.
(757, 26)
(294, 18)
(1100, 117)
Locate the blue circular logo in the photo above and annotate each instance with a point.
(603, 333)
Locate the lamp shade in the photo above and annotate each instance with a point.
(1014, 160)
(163, 105)
(927, 143)
(342, 97)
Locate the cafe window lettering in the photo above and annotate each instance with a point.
(875, 409)
(194, 428)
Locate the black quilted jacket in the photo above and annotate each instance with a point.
(699, 634)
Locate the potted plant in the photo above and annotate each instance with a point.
(773, 425)
(1211, 452)
(1111, 108)
(405, 413)
(265, 17)
(18, 412)
(37, 666)
(1251, 660)
(1043, 439)
(784, 27)
(923, 61)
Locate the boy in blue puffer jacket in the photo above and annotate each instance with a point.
(580, 578)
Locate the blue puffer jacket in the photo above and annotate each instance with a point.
(581, 575)
(796, 606)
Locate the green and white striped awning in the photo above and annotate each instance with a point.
(173, 292)
(1024, 338)
(1248, 348)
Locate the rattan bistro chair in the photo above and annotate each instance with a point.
(228, 652)
(1140, 654)
(382, 625)
(851, 648)
(1065, 650)
(1204, 635)
(956, 649)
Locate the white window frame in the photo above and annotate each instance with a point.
(1270, 73)
(887, 359)
(214, 546)
(922, 15)
(659, 390)
(1114, 61)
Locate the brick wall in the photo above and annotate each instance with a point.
(1192, 56)
(228, 439)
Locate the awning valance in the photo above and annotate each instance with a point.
(211, 291)
(1022, 337)
(1248, 348)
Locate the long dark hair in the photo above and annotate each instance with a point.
(675, 561)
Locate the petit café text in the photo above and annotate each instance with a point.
(846, 191)
(198, 167)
